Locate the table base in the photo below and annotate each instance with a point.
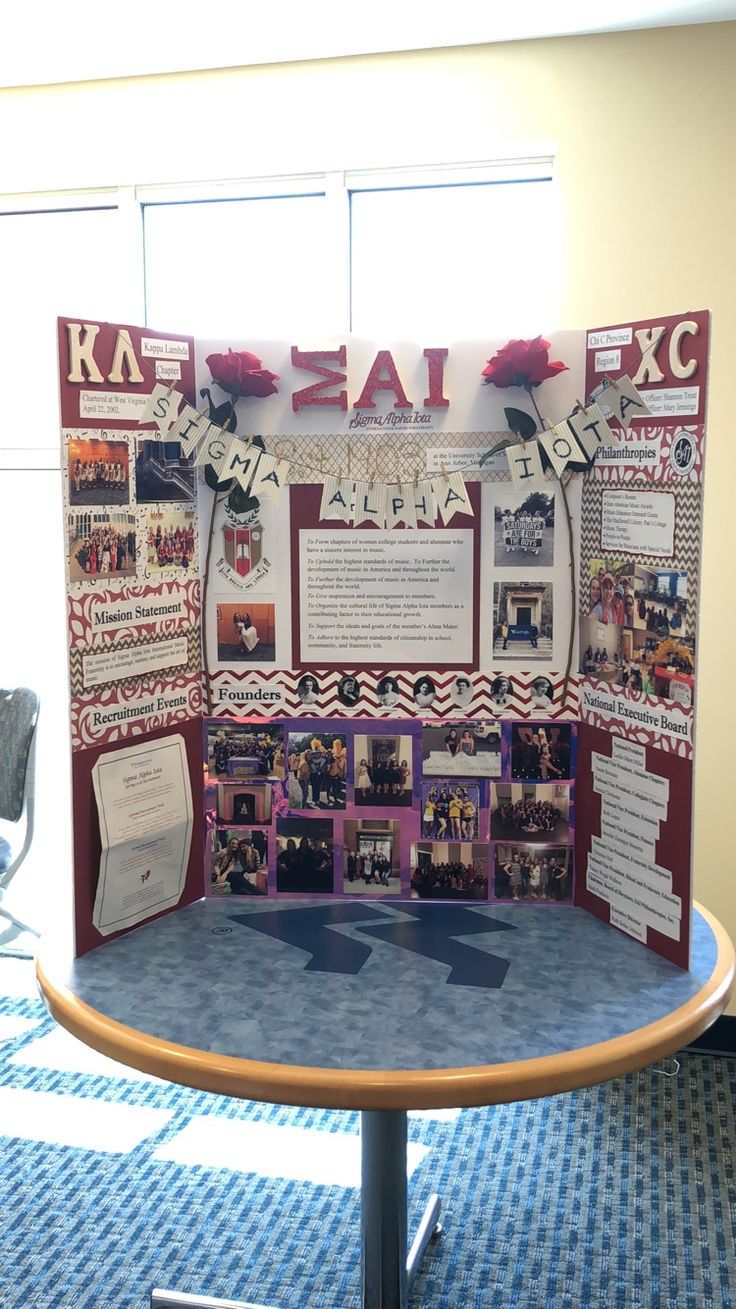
(388, 1271)
(180, 1300)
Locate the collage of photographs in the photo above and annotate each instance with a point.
(523, 562)
(132, 519)
(421, 809)
(635, 632)
(378, 706)
(131, 508)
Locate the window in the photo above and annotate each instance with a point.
(452, 261)
(457, 251)
(81, 256)
(462, 251)
(243, 268)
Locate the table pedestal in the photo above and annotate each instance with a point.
(388, 1271)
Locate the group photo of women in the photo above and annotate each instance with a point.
(372, 868)
(528, 873)
(450, 811)
(371, 856)
(304, 859)
(170, 544)
(383, 770)
(236, 750)
(101, 547)
(461, 749)
(653, 600)
(318, 767)
(635, 633)
(239, 860)
(524, 528)
(611, 596)
(541, 751)
(531, 813)
(447, 870)
(98, 472)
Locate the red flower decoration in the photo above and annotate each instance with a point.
(240, 373)
(522, 363)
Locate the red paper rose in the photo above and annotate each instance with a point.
(240, 373)
(522, 363)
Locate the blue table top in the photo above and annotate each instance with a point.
(410, 986)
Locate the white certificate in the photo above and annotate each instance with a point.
(144, 805)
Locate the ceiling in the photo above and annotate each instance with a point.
(47, 42)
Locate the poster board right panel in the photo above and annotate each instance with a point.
(639, 590)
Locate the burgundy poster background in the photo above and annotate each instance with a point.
(305, 506)
(672, 849)
(670, 345)
(103, 353)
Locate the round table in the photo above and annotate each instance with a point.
(384, 1007)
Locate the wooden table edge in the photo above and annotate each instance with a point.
(335, 1088)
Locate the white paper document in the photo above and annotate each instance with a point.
(387, 597)
(144, 805)
(622, 867)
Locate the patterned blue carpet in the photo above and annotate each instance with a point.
(622, 1195)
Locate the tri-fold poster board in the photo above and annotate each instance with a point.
(384, 619)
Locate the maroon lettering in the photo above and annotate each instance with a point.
(313, 395)
(375, 382)
(435, 376)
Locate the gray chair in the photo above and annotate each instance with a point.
(18, 719)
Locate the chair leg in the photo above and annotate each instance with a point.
(21, 926)
(17, 927)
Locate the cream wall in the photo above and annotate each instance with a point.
(642, 125)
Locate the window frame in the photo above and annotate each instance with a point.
(120, 200)
(336, 186)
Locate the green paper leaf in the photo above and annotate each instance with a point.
(210, 477)
(239, 502)
(521, 423)
(502, 445)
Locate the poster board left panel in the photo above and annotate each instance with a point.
(131, 548)
(131, 531)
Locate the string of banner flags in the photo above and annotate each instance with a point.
(387, 504)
